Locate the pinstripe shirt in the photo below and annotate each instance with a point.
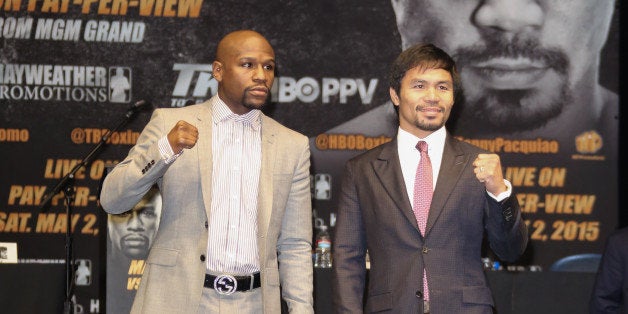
(237, 155)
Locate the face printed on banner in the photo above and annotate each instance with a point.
(132, 233)
(245, 70)
(520, 61)
(425, 99)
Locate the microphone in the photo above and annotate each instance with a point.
(139, 105)
(65, 181)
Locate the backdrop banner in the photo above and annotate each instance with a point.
(540, 91)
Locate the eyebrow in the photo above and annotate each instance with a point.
(446, 82)
(255, 59)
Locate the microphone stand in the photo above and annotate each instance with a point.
(66, 185)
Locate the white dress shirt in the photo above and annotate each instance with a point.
(237, 155)
(409, 158)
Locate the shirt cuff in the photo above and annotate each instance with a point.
(166, 151)
(503, 195)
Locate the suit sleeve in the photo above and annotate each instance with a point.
(507, 232)
(294, 245)
(349, 249)
(607, 291)
(127, 183)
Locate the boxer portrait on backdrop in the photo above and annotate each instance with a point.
(129, 238)
(523, 72)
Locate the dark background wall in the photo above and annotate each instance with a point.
(349, 41)
(623, 150)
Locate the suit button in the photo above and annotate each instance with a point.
(202, 258)
(425, 249)
(419, 294)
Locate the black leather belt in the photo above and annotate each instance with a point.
(228, 284)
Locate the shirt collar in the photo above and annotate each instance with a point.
(434, 140)
(221, 113)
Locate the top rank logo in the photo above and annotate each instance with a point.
(73, 83)
(194, 78)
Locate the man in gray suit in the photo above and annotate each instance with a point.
(236, 198)
(422, 212)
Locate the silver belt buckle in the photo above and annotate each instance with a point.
(225, 284)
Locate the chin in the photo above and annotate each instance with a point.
(254, 105)
(134, 254)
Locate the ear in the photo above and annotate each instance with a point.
(393, 96)
(217, 70)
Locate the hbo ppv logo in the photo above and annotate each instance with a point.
(308, 89)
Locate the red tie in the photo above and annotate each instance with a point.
(423, 191)
(423, 187)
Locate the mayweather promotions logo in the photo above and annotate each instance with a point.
(71, 83)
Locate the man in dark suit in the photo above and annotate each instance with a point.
(422, 212)
(610, 292)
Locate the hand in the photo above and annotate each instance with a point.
(488, 169)
(182, 136)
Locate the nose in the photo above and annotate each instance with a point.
(135, 222)
(260, 74)
(432, 95)
(511, 16)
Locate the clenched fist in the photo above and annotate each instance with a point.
(488, 169)
(182, 136)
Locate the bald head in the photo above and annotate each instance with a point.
(245, 70)
(234, 42)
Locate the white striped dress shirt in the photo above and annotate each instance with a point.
(237, 154)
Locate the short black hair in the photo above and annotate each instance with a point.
(426, 56)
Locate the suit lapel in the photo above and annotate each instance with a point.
(265, 193)
(453, 163)
(205, 159)
(388, 169)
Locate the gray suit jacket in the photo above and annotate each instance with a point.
(174, 274)
(375, 213)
